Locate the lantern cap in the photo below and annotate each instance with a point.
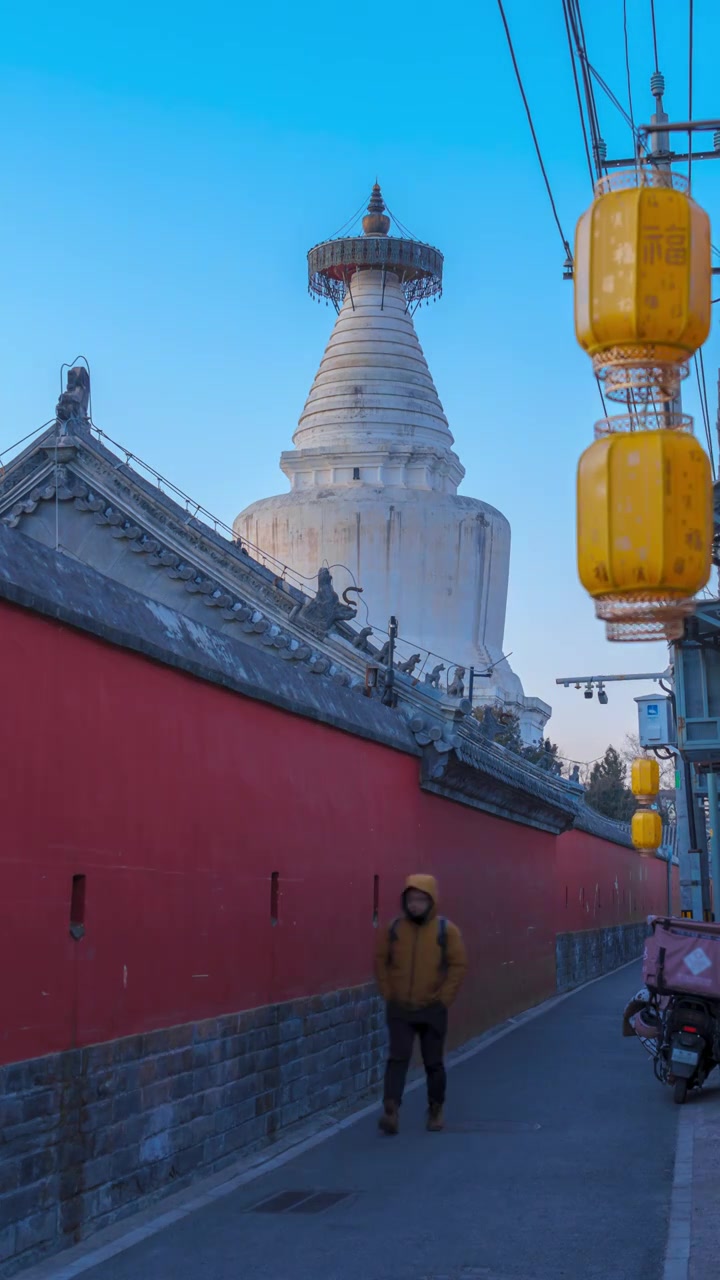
(645, 418)
(642, 175)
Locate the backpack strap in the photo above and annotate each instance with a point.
(442, 940)
(392, 939)
(442, 937)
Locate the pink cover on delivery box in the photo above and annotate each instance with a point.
(691, 961)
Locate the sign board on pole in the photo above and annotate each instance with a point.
(656, 725)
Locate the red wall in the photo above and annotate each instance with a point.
(177, 801)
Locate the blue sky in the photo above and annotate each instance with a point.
(166, 168)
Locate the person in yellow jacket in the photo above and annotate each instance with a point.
(420, 963)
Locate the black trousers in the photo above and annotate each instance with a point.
(430, 1025)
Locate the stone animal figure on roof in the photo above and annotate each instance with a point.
(74, 401)
(456, 688)
(433, 678)
(325, 610)
(409, 665)
(361, 639)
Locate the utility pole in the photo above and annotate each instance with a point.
(714, 815)
(690, 847)
(691, 836)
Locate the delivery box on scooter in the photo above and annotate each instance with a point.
(684, 956)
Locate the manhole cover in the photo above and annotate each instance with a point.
(300, 1202)
(492, 1126)
(321, 1201)
(282, 1203)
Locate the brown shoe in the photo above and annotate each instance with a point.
(435, 1118)
(389, 1121)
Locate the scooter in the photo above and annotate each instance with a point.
(676, 1015)
(689, 1049)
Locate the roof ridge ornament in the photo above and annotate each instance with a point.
(74, 402)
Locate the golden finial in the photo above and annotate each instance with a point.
(376, 221)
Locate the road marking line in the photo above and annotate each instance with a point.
(677, 1250)
(48, 1270)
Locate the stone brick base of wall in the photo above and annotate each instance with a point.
(592, 952)
(91, 1135)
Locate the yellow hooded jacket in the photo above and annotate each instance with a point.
(409, 972)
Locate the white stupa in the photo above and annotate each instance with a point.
(374, 478)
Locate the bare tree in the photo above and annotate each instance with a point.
(632, 749)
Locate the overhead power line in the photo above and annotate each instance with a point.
(613, 97)
(543, 170)
(690, 85)
(654, 31)
(573, 21)
(703, 405)
(583, 124)
(574, 18)
(627, 69)
(576, 42)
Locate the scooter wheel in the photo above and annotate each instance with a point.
(680, 1089)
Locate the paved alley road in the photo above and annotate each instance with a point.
(557, 1163)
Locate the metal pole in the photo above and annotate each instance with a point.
(686, 862)
(388, 697)
(657, 676)
(714, 815)
(471, 684)
(690, 801)
(690, 849)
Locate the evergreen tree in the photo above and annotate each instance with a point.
(544, 754)
(503, 727)
(606, 791)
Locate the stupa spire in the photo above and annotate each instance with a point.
(333, 263)
(376, 221)
(373, 393)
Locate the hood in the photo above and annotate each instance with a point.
(426, 884)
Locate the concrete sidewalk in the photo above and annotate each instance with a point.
(557, 1164)
(701, 1123)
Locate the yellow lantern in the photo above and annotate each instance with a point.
(646, 830)
(642, 272)
(645, 777)
(644, 530)
(642, 308)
